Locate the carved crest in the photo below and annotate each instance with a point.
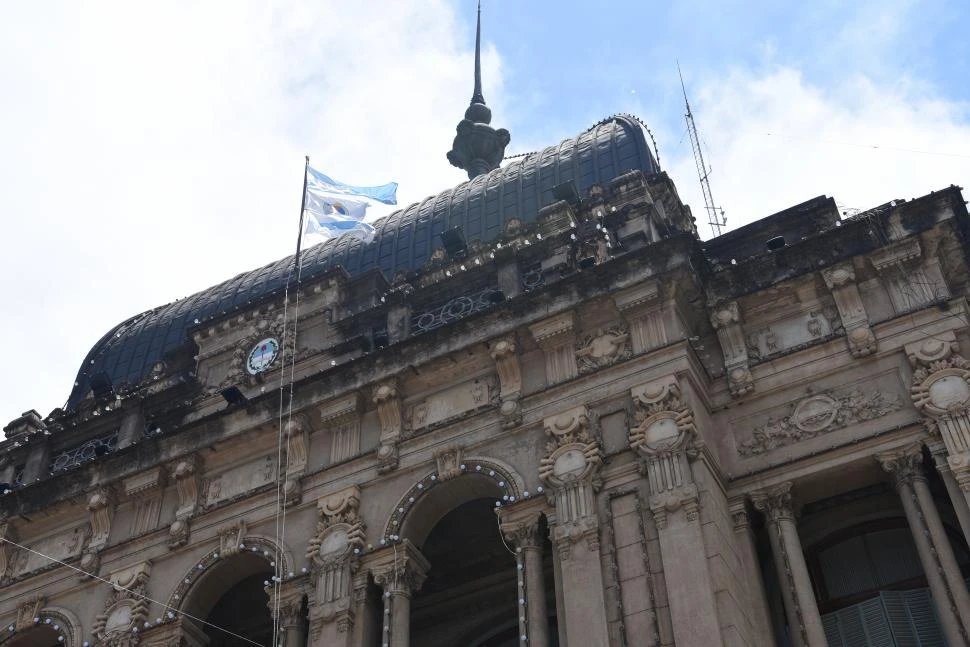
(663, 423)
(603, 348)
(269, 325)
(125, 609)
(340, 531)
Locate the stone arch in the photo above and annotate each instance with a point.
(434, 495)
(201, 579)
(60, 621)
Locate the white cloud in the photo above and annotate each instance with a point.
(775, 140)
(152, 150)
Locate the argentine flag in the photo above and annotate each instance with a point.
(333, 208)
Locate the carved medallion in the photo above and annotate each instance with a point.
(603, 348)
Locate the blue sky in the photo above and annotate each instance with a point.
(148, 151)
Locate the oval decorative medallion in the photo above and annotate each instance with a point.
(262, 356)
(815, 413)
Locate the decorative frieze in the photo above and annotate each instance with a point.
(186, 474)
(817, 414)
(505, 353)
(603, 348)
(840, 279)
(726, 319)
(451, 403)
(125, 609)
(388, 402)
(663, 436)
(555, 337)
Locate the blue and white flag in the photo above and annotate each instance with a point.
(333, 208)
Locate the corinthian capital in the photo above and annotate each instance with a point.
(775, 502)
(905, 465)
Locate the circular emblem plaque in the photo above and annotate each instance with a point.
(262, 356)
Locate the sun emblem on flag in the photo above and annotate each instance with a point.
(340, 208)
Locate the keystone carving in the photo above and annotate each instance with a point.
(818, 414)
(186, 474)
(726, 320)
(505, 354)
(28, 610)
(449, 462)
(664, 437)
(388, 402)
(231, 539)
(602, 349)
(840, 279)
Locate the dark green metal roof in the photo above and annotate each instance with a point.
(404, 242)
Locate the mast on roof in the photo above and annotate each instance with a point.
(715, 215)
(478, 148)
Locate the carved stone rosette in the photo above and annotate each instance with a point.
(334, 554)
(185, 473)
(663, 436)
(570, 470)
(125, 609)
(840, 279)
(505, 353)
(726, 320)
(941, 391)
(388, 402)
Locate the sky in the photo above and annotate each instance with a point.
(150, 150)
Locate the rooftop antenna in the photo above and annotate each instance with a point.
(715, 215)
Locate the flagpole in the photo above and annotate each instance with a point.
(299, 237)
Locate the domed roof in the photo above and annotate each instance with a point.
(404, 241)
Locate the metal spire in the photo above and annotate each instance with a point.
(477, 96)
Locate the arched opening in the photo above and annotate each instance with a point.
(43, 635)
(471, 584)
(231, 598)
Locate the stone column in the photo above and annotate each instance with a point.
(804, 621)
(365, 632)
(400, 570)
(663, 436)
(935, 552)
(960, 506)
(286, 606)
(334, 555)
(520, 525)
(757, 600)
(569, 471)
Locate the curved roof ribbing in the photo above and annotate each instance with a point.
(404, 241)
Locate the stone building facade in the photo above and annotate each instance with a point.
(568, 421)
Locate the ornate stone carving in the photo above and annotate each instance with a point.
(125, 609)
(185, 473)
(505, 353)
(272, 325)
(726, 320)
(231, 539)
(602, 349)
(941, 390)
(840, 279)
(388, 402)
(448, 460)
(571, 469)
(817, 414)
(451, 403)
(334, 555)
(6, 550)
(910, 282)
(775, 502)
(664, 436)
(401, 569)
(905, 465)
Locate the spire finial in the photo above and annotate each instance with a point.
(477, 95)
(478, 148)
